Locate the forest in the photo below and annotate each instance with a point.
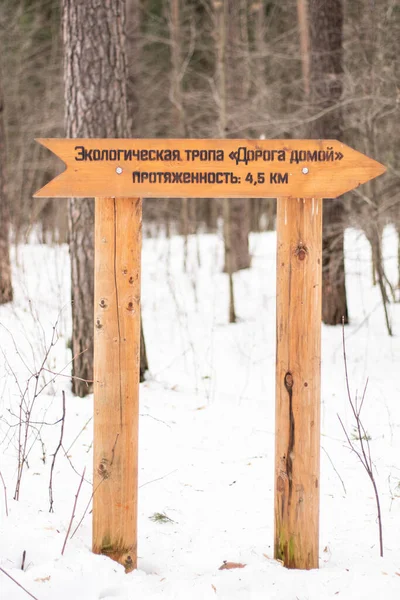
(207, 309)
(205, 69)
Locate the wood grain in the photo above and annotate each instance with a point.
(116, 374)
(297, 439)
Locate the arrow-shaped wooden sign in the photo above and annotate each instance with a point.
(118, 173)
(207, 168)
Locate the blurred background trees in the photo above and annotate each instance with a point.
(295, 69)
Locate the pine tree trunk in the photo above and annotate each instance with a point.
(6, 291)
(326, 72)
(134, 50)
(95, 106)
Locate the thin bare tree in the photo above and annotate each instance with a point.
(6, 290)
(237, 88)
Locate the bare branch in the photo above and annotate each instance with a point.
(56, 452)
(5, 493)
(73, 511)
(18, 584)
(364, 455)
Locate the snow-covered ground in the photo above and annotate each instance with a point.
(206, 436)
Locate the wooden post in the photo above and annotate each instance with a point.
(298, 322)
(116, 372)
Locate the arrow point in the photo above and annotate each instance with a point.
(379, 168)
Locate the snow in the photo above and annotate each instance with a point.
(206, 435)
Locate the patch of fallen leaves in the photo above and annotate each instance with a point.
(231, 565)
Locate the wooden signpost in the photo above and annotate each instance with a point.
(117, 172)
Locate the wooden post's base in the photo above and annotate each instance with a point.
(126, 557)
(297, 445)
(116, 374)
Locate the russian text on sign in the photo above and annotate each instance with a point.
(207, 168)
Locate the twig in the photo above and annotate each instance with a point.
(60, 374)
(23, 560)
(26, 406)
(72, 466)
(73, 511)
(158, 478)
(32, 423)
(17, 352)
(95, 490)
(364, 454)
(83, 429)
(334, 468)
(155, 419)
(55, 454)
(359, 326)
(5, 493)
(86, 509)
(18, 584)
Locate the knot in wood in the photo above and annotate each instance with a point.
(288, 381)
(301, 251)
(280, 484)
(128, 563)
(102, 470)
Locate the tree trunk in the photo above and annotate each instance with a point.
(326, 19)
(240, 209)
(6, 291)
(220, 38)
(81, 249)
(144, 363)
(178, 112)
(133, 14)
(302, 16)
(237, 87)
(398, 262)
(95, 106)
(133, 51)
